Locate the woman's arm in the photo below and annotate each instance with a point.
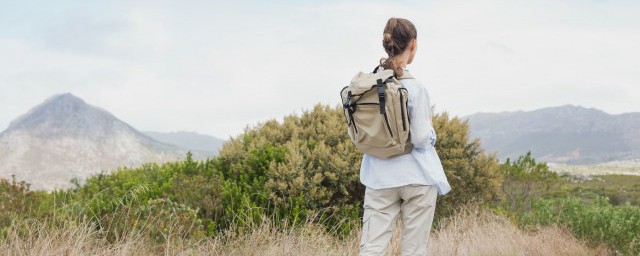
(422, 133)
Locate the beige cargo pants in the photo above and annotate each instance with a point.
(414, 203)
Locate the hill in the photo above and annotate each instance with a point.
(189, 140)
(65, 138)
(565, 134)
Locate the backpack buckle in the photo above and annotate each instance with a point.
(351, 108)
(380, 88)
(348, 101)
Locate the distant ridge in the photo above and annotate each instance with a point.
(64, 138)
(564, 134)
(189, 140)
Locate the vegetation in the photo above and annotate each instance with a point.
(298, 179)
(302, 168)
(601, 222)
(524, 181)
(468, 232)
(472, 174)
(620, 189)
(15, 200)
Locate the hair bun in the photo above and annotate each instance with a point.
(387, 37)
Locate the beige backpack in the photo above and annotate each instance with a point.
(375, 106)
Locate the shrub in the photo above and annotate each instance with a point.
(472, 174)
(302, 168)
(162, 218)
(307, 165)
(15, 198)
(616, 226)
(524, 181)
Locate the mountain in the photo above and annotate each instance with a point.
(65, 138)
(189, 141)
(565, 134)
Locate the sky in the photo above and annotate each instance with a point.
(216, 67)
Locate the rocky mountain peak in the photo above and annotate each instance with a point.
(67, 115)
(65, 138)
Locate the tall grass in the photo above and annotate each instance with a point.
(479, 232)
(469, 232)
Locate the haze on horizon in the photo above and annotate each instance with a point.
(216, 67)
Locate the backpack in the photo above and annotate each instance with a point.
(375, 106)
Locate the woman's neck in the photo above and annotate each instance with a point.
(402, 59)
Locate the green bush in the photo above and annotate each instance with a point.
(306, 166)
(620, 189)
(15, 199)
(162, 218)
(525, 181)
(303, 168)
(472, 173)
(16, 202)
(599, 222)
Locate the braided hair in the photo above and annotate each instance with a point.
(397, 35)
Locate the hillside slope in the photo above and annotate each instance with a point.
(65, 138)
(565, 134)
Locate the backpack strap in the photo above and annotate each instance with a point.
(381, 98)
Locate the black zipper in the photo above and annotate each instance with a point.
(387, 122)
(404, 126)
(353, 122)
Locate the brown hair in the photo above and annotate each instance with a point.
(397, 35)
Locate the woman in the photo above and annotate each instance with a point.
(406, 185)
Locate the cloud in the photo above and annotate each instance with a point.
(79, 33)
(215, 67)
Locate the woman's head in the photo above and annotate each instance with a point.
(399, 41)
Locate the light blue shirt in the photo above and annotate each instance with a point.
(422, 165)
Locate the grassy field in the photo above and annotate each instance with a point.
(617, 180)
(470, 232)
(624, 167)
(620, 189)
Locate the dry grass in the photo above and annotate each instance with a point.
(474, 232)
(471, 232)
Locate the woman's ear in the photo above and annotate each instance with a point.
(414, 45)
